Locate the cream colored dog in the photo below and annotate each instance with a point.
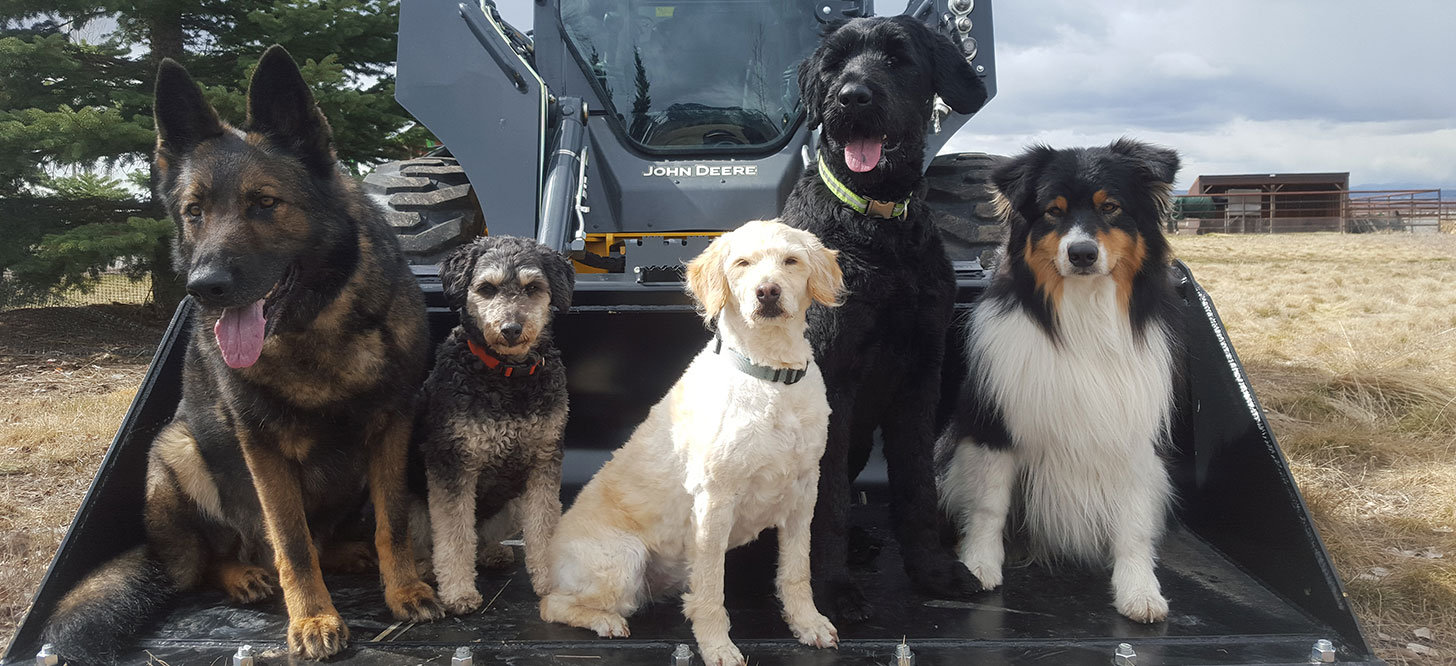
(729, 452)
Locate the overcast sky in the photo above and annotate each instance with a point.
(1237, 86)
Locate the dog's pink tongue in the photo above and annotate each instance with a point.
(861, 155)
(239, 334)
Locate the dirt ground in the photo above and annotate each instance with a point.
(1350, 342)
(66, 378)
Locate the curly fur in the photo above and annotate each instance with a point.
(719, 459)
(881, 351)
(490, 441)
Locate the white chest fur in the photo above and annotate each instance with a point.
(1086, 413)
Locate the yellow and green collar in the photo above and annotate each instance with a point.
(885, 210)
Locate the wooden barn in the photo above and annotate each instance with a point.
(1272, 202)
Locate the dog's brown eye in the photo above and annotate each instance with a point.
(194, 210)
(486, 289)
(791, 261)
(741, 263)
(1054, 211)
(1109, 207)
(266, 201)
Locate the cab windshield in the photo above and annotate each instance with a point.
(696, 74)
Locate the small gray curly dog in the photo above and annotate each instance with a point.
(493, 413)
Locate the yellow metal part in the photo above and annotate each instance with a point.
(604, 244)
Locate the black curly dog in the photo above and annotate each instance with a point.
(494, 411)
(871, 84)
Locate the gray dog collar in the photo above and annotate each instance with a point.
(748, 367)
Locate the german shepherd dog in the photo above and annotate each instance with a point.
(298, 385)
(871, 85)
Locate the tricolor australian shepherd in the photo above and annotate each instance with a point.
(1069, 394)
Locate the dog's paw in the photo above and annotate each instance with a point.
(414, 602)
(1145, 606)
(816, 631)
(842, 598)
(495, 556)
(349, 557)
(248, 584)
(318, 636)
(726, 654)
(942, 577)
(461, 602)
(987, 571)
(611, 625)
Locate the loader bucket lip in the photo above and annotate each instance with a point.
(1248, 578)
(71, 561)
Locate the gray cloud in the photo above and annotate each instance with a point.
(1237, 86)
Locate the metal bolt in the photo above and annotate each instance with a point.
(980, 69)
(963, 24)
(969, 47)
(244, 656)
(47, 656)
(463, 657)
(682, 655)
(1124, 655)
(1323, 652)
(962, 6)
(903, 655)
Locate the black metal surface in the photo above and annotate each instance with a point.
(1247, 577)
(1220, 616)
(1237, 491)
(455, 87)
(559, 195)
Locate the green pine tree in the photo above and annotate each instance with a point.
(76, 129)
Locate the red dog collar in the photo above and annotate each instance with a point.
(508, 369)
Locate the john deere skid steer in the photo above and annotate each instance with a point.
(627, 133)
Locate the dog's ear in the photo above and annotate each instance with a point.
(811, 89)
(706, 280)
(561, 276)
(954, 79)
(826, 280)
(811, 80)
(1015, 179)
(1159, 163)
(456, 271)
(184, 119)
(281, 106)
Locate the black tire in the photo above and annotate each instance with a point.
(958, 191)
(430, 204)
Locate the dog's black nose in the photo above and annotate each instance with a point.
(512, 332)
(210, 283)
(855, 94)
(1082, 253)
(768, 293)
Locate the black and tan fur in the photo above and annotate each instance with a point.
(490, 437)
(261, 463)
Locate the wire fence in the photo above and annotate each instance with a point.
(113, 287)
(1255, 211)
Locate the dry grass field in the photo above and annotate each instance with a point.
(66, 377)
(1350, 342)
